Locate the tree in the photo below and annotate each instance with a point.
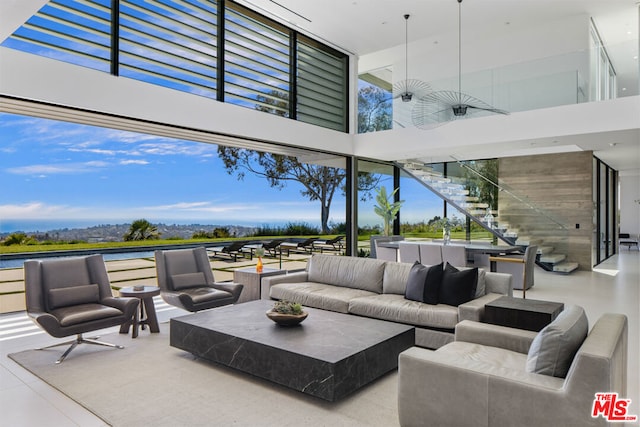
(320, 182)
(374, 109)
(386, 209)
(141, 229)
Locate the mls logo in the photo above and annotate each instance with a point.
(611, 408)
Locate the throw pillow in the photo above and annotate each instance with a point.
(433, 283)
(415, 282)
(73, 295)
(188, 280)
(458, 286)
(553, 349)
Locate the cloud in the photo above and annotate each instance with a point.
(32, 210)
(56, 169)
(134, 162)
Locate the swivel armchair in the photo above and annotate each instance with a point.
(73, 296)
(186, 281)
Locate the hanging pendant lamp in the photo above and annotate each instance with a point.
(440, 107)
(409, 90)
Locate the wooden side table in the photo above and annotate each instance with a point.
(252, 281)
(528, 314)
(147, 314)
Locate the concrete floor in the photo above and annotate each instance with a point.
(27, 401)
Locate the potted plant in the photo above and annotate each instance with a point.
(287, 313)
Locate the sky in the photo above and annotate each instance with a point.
(67, 174)
(60, 171)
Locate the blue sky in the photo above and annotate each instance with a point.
(53, 170)
(67, 174)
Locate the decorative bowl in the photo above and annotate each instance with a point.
(287, 319)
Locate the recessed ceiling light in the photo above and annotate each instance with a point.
(624, 88)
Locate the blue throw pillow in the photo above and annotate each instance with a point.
(458, 286)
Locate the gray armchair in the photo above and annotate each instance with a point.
(73, 296)
(186, 281)
(498, 376)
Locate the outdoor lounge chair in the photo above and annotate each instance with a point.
(230, 251)
(305, 246)
(336, 244)
(271, 247)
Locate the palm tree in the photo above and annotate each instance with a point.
(141, 229)
(386, 209)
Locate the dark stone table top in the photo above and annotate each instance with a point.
(324, 335)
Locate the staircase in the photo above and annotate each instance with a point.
(548, 233)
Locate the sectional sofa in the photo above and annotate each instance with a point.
(376, 289)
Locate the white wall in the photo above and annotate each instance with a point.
(630, 204)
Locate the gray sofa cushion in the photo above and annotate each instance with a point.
(553, 349)
(318, 295)
(352, 272)
(188, 280)
(394, 279)
(396, 308)
(73, 295)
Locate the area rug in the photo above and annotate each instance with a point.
(150, 383)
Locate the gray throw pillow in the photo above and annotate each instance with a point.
(552, 350)
(415, 282)
(188, 280)
(73, 295)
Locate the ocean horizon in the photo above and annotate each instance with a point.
(45, 225)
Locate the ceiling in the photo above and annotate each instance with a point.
(361, 27)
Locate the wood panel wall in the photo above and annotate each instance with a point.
(559, 184)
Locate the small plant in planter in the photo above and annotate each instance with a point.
(287, 313)
(287, 307)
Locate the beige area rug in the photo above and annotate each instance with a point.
(150, 383)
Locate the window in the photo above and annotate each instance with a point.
(244, 59)
(170, 43)
(70, 31)
(256, 62)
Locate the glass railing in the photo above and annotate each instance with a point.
(571, 78)
(508, 215)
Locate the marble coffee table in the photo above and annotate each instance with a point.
(329, 355)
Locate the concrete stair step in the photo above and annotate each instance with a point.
(528, 241)
(553, 258)
(544, 250)
(565, 267)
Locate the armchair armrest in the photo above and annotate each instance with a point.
(474, 309)
(487, 334)
(127, 305)
(234, 289)
(269, 281)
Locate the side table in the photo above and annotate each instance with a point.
(147, 307)
(528, 314)
(252, 281)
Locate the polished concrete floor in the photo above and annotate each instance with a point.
(27, 401)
